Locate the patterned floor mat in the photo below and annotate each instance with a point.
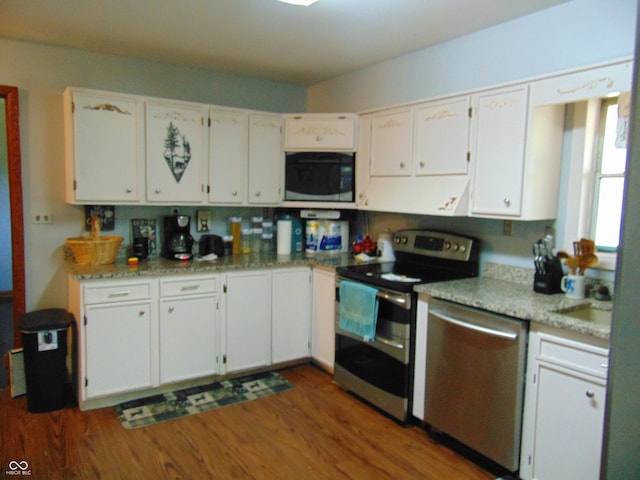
(166, 406)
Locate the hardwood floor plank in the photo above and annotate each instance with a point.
(315, 431)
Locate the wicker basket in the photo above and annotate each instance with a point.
(94, 249)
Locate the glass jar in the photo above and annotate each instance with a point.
(246, 240)
(235, 230)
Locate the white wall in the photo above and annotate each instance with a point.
(572, 35)
(41, 73)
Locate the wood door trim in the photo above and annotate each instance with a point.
(12, 116)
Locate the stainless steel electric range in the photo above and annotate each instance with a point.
(380, 370)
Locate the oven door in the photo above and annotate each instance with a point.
(380, 371)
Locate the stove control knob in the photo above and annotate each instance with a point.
(455, 247)
(396, 239)
(404, 240)
(447, 245)
(463, 248)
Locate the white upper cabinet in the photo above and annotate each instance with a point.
(176, 152)
(391, 143)
(500, 122)
(442, 137)
(311, 132)
(516, 153)
(229, 154)
(266, 159)
(104, 147)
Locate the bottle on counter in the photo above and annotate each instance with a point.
(235, 230)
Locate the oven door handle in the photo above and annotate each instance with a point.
(477, 328)
(400, 300)
(389, 342)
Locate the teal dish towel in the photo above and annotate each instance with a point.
(358, 309)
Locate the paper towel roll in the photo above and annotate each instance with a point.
(284, 237)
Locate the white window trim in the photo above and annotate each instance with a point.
(581, 175)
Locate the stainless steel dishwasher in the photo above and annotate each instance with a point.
(475, 379)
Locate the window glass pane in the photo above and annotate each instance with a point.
(609, 213)
(613, 159)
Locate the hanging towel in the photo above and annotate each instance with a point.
(358, 309)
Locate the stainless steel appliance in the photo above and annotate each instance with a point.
(475, 379)
(177, 242)
(320, 176)
(381, 371)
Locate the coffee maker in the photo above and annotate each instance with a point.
(177, 241)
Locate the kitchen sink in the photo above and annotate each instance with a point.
(588, 313)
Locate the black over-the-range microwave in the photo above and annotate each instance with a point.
(320, 176)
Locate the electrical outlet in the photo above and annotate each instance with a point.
(42, 218)
(507, 228)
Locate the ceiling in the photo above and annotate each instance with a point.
(259, 38)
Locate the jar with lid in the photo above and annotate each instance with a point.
(267, 237)
(247, 239)
(235, 230)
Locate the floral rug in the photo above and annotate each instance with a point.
(166, 406)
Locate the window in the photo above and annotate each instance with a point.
(609, 177)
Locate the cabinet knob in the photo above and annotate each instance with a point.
(141, 313)
(402, 164)
(318, 138)
(234, 193)
(157, 190)
(257, 194)
(421, 164)
(590, 393)
(129, 190)
(507, 201)
(171, 309)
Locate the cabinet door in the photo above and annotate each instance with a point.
(247, 320)
(290, 314)
(442, 137)
(177, 154)
(319, 132)
(500, 122)
(392, 142)
(570, 419)
(228, 156)
(266, 159)
(187, 337)
(118, 348)
(324, 318)
(104, 147)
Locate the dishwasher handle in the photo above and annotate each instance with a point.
(477, 328)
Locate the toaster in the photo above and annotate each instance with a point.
(211, 244)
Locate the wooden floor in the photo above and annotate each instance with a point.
(315, 431)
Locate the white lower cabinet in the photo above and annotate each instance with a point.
(188, 327)
(290, 314)
(323, 339)
(247, 325)
(117, 336)
(564, 406)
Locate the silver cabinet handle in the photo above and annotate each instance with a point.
(157, 190)
(122, 293)
(257, 194)
(189, 287)
(590, 393)
(389, 342)
(234, 193)
(507, 201)
(129, 190)
(421, 164)
(402, 164)
(141, 313)
(477, 328)
(171, 309)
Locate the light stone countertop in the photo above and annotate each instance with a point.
(510, 295)
(161, 266)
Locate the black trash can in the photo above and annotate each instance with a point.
(44, 341)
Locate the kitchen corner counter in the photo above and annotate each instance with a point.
(515, 299)
(161, 266)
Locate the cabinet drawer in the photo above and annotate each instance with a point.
(171, 287)
(578, 356)
(116, 292)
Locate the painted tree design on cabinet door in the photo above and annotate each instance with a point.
(177, 151)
